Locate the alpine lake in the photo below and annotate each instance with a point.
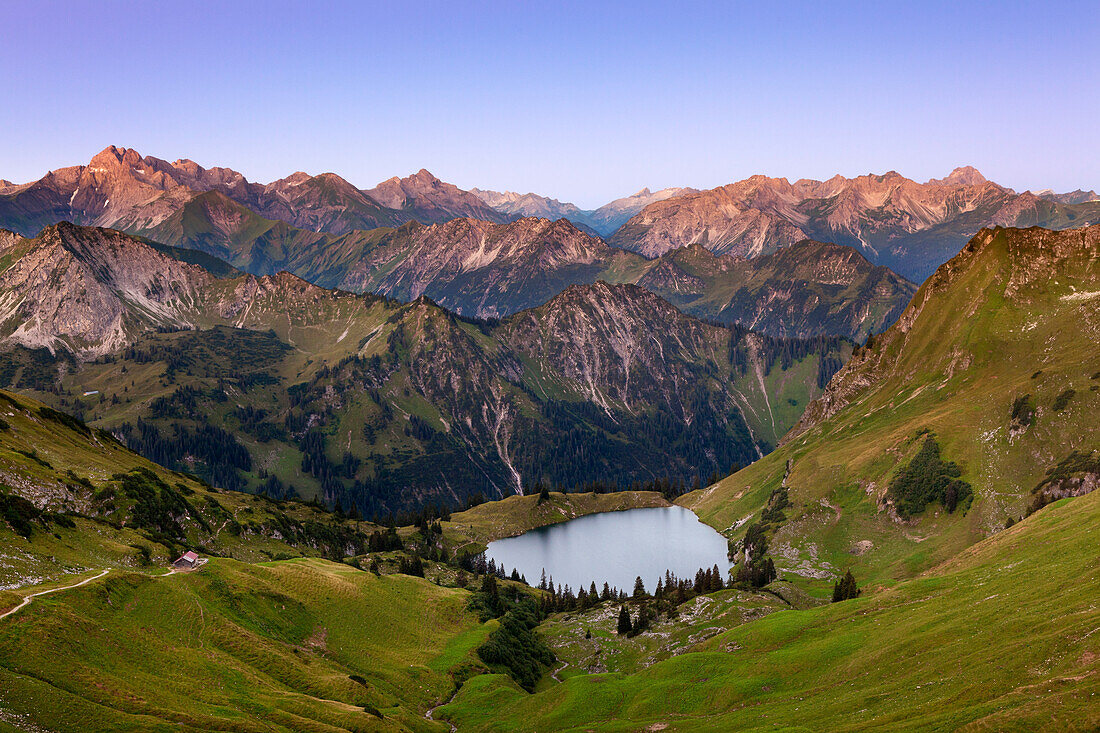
(614, 547)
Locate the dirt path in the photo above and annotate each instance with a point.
(32, 596)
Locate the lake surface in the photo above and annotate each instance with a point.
(615, 547)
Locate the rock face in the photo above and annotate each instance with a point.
(90, 291)
(477, 267)
(894, 221)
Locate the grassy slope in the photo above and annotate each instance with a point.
(606, 651)
(956, 371)
(935, 652)
(55, 552)
(238, 647)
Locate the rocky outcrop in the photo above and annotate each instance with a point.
(91, 291)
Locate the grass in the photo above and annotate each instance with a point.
(241, 647)
(967, 353)
(82, 466)
(940, 651)
(587, 642)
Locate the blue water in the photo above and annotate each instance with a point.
(615, 547)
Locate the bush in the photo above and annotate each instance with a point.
(1023, 411)
(928, 478)
(1062, 400)
(19, 513)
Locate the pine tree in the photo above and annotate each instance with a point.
(845, 588)
(639, 588)
(624, 626)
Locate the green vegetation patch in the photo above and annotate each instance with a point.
(928, 478)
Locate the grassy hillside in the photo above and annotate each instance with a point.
(1016, 315)
(1000, 638)
(285, 646)
(73, 499)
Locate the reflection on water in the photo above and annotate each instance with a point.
(615, 547)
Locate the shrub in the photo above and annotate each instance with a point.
(1062, 400)
(1023, 411)
(928, 478)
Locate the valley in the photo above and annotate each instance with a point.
(276, 385)
(308, 617)
(549, 368)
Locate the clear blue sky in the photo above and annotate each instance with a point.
(581, 101)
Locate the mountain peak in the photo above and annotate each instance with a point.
(113, 156)
(424, 175)
(966, 175)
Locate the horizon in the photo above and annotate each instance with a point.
(580, 104)
(366, 187)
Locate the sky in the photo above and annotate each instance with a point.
(584, 102)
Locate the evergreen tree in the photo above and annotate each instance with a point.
(639, 588)
(845, 588)
(624, 626)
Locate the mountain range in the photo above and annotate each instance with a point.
(602, 221)
(361, 399)
(893, 221)
(909, 227)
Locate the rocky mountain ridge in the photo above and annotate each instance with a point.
(490, 270)
(894, 221)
